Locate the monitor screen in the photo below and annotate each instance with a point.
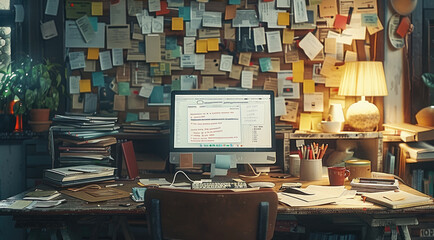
(218, 122)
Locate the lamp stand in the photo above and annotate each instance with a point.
(363, 116)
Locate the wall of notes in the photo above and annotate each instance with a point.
(126, 56)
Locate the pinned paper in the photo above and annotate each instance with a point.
(184, 12)
(330, 45)
(340, 22)
(74, 84)
(244, 58)
(259, 36)
(97, 79)
(279, 106)
(291, 111)
(283, 19)
(274, 42)
(369, 19)
(97, 8)
(316, 118)
(85, 85)
(236, 72)
(132, 117)
(146, 90)
(314, 102)
(305, 122)
(51, 7)
(288, 36)
(86, 29)
(177, 24)
(105, 60)
(124, 88)
(308, 86)
(311, 45)
(230, 12)
(201, 46)
(119, 103)
(76, 60)
(48, 30)
(298, 71)
(246, 79)
(265, 64)
(118, 56)
(213, 44)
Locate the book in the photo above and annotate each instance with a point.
(410, 132)
(418, 150)
(82, 172)
(77, 182)
(397, 199)
(39, 195)
(374, 184)
(130, 159)
(97, 142)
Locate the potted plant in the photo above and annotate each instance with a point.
(425, 117)
(38, 87)
(7, 119)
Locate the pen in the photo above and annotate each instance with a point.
(114, 185)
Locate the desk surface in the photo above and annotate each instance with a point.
(75, 206)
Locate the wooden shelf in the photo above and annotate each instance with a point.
(341, 135)
(412, 160)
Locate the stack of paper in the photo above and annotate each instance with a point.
(68, 176)
(374, 184)
(316, 195)
(41, 195)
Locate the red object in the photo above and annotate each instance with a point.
(164, 10)
(130, 159)
(136, 92)
(340, 22)
(267, 0)
(337, 175)
(114, 1)
(72, 4)
(403, 27)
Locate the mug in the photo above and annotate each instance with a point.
(337, 175)
(329, 127)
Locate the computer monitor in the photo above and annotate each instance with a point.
(212, 123)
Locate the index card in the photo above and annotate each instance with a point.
(158, 24)
(271, 84)
(105, 60)
(188, 60)
(275, 65)
(286, 87)
(77, 102)
(298, 71)
(131, 117)
(144, 116)
(245, 18)
(369, 19)
(308, 86)
(118, 12)
(373, 30)
(118, 56)
(288, 36)
(74, 84)
(350, 56)
(300, 12)
(163, 113)
(291, 111)
(259, 36)
(154, 5)
(247, 79)
(146, 24)
(199, 60)
(311, 45)
(328, 8)
(330, 45)
(48, 30)
(189, 45)
(189, 31)
(212, 19)
(197, 10)
(85, 85)
(73, 38)
(283, 18)
(51, 7)
(345, 5)
(134, 7)
(134, 100)
(124, 88)
(279, 106)
(207, 82)
(244, 58)
(226, 62)
(76, 60)
(92, 53)
(236, 72)
(97, 8)
(85, 28)
(90, 66)
(314, 102)
(274, 42)
(153, 49)
(283, 3)
(119, 103)
(316, 76)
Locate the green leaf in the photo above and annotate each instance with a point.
(428, 79)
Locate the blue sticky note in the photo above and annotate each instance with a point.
(223, 161)
(97, 79)
(141, 47)
(94, 22)
(265, 64)
(132, 117)
(124, 88)
(184, 12)
(235, 2)
(156, 95)
(171, 42)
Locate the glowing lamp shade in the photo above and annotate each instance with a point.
(363, 79)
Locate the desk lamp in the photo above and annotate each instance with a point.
(365, 78)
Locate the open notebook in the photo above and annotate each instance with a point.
(397, 199)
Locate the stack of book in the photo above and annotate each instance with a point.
(374, 184)
(67, 176)
(150, 127)
(84, 139)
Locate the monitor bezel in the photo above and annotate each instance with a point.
(220, 92)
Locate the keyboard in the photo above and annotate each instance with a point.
(218, 185)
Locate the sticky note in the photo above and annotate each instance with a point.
(235, 2)
(171, 42)
(176, 85)
(94, 22)
(93, 53)
(124, 88)
(315, 118)
(340, 22)
(201, 46)
(283, 18)
(230, 12)
(298, 71)
(305, 122)
(223, 161)
(97, 79)
(85, 85)
(184, 12)
(97, 9)
(132, 117)
(265, 64)
(213, 44)
(177, 24)
(308, 86)
(186, 160)
(288, 36)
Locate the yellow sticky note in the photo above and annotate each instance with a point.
(298, 71)
(308, 86)
(97, 9)
(305, 122)
(92, 53)
(213, 44)
(316, 118)
(177, 24)
(288, 36)
(85, 85)
(283, 18)
(201, 46)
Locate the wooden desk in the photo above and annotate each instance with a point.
(69, 212)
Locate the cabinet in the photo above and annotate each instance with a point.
(366, 145)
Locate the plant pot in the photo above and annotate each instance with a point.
(41, 126)
(40, 115)
(7, 122)
(425, 117)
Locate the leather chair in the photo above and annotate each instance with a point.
(189, 214)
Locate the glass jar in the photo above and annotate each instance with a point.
(358, 168)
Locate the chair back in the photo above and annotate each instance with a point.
(189, 214)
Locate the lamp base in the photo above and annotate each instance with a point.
(363, 116)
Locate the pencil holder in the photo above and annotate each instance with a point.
(311, 169)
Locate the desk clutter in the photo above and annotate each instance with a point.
(69, 176)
